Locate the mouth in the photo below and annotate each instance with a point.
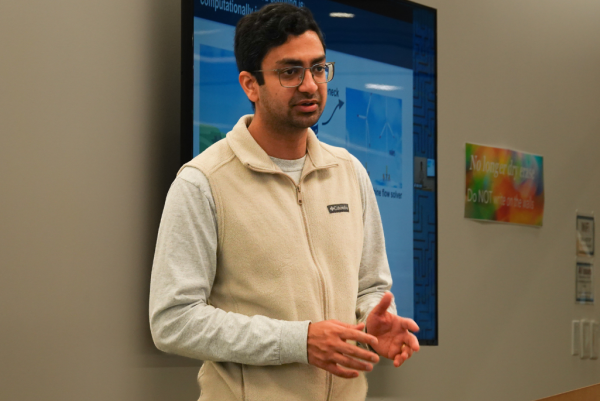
(307, 106)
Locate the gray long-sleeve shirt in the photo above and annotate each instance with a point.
(185, 264)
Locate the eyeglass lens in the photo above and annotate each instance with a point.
(294, 76)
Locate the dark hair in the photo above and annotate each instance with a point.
(269, 27)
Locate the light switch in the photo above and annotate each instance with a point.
(586, 339)
(575, 337)
(595, 350)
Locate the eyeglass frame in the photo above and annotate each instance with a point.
(279, 70)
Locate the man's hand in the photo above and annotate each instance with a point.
(328, 349)
(395, 341)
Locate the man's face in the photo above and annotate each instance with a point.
(293, 108)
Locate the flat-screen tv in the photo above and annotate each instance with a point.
(382, 107)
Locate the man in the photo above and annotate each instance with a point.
(270, 263)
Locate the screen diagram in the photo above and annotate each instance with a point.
(374, 123)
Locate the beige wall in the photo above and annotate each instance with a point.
(89, 104)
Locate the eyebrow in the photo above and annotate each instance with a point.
(293, 61)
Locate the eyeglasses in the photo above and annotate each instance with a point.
(292, 77)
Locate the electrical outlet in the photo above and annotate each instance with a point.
(595, 332)
(575, 337)
(586, 339)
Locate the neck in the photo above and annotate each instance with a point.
(281, 142)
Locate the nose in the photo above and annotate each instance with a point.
(308, 84)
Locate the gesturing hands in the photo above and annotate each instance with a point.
(387, 334)
(328, 349)
(395, 341)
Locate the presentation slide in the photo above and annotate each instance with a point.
(380, 107)
(369, 112)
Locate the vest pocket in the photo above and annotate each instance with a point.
(221, 381)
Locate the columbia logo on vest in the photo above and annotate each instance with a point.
(342, 207)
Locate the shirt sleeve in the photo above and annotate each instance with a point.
(374, 274)
(181, 320)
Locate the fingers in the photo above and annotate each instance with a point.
(407, 341)
(328, 348)
(358, 326)
(404, 354)
(346, 366)
(398, 360)
(341, 372)
(354, 332)
(407, 351)
(413, 343)
(352, 363)
(383, 304)
(409, 324)
(357, 352)
(361, 337)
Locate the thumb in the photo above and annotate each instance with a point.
(383, 304)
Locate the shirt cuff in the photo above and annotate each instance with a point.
(292, 343)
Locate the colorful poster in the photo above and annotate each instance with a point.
(504, 185)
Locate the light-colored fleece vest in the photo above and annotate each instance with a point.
(285, 251)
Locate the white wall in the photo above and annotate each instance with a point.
(523, 75)
(89, 103)
(89, 137)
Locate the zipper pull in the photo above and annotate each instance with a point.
(299, 195)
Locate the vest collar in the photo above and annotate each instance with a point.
(249, 152)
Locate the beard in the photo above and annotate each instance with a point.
(287, 117)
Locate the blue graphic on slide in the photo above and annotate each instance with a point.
(220, 98)
(374, 124)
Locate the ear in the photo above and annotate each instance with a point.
(249, 85)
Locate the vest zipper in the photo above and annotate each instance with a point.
(329, 376)
(305, 221)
